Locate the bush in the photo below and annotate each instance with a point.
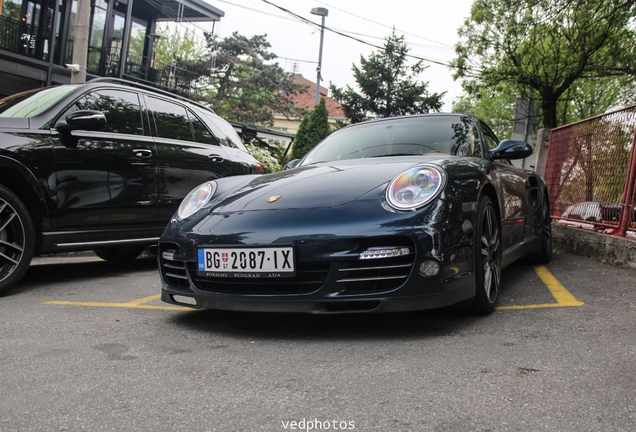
(264, 155)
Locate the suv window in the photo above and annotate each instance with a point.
(122, 110)
(171, 119)
(226, 134)
(201, 133)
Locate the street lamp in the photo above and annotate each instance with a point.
(323, 12)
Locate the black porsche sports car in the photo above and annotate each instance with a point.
(396, 214)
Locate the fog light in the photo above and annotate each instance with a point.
(429, 268)
(184, 300)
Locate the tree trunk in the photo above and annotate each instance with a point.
(549, 108)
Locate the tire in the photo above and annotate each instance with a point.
(545, 255)
(17, 239)
(487, 258)
(119, 254)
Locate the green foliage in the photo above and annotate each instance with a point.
(245, 86)
(238, 78)
(543, 48)
(179, 47)
(313, 129)
(12, 9)
(495, 106)
(267, 156)
(388, 86)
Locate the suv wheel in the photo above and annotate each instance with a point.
(124, 253)
(17, 239)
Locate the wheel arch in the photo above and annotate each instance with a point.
(21, 181)
(489, 190)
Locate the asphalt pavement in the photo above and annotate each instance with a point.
(87, 345)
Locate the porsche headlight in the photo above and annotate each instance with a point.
(197, 198)
(416, 187)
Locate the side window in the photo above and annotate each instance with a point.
(463, 140)
(122, 110)
(171, 119)
(491, 140)
(227, 135)
(201, 133)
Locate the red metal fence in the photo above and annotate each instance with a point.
(591, 173)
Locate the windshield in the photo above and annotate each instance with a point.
(33, 102)
(411, 136)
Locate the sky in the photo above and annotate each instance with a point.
(429, 26)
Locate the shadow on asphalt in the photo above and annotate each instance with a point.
(58, 272)
(365, 326)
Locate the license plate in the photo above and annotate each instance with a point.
(248, 262)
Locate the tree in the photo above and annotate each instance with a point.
(496, 106)
(244, 85)
(313, 129)
(180, 48)
(388, 85)
(542, 48)
(587, 98)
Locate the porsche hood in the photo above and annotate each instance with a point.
(315, 186)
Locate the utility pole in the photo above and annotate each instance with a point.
(323, 12)
(80, 42)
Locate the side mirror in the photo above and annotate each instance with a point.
(511, 149)
(84, 120)
(291, 164)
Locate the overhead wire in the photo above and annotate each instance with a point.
(308, 21)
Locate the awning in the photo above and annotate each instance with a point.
(193, 10)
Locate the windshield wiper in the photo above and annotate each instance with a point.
(395, 154)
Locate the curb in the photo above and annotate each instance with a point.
(617, 251)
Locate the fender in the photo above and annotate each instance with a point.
(31, 180)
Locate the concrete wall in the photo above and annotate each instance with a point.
(618, 251)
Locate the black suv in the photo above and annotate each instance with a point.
(102, 166)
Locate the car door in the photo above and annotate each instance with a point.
(514, 182)
(183, 161)
(106, 179)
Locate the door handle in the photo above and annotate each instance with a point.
(215, 158)
(142, 153)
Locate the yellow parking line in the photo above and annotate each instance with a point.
(135, 304)
(562, 296)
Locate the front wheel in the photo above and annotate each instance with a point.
(17, 239)
(545, 256)
(487, 258)
(118, 254)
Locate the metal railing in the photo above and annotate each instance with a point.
(20, 37)
(145, 69)
(591, 173)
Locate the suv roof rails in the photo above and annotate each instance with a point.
(149, 88)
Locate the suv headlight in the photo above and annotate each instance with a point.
(196, 199)
(416, 187)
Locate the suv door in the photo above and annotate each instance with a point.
(106, 179)
(188, 154)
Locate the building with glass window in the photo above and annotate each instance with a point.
(36, 41)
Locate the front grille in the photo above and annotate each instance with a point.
(344, 276)
(309, 278)
(369, 276)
